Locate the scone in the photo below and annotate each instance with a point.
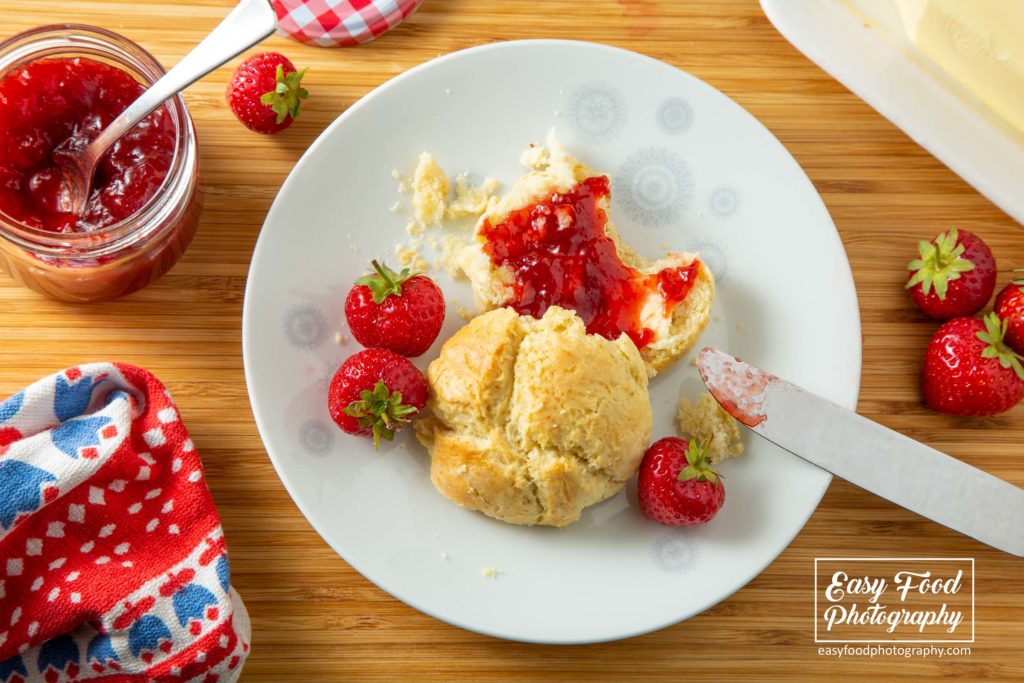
(704, 420)
(550, 241)
(529, 421)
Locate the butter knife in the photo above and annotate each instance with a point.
(875, 458)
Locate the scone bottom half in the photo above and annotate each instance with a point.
(532, 420)
(550, 241)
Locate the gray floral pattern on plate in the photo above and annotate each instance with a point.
(326, 371)
(724, 201)
(316, 437)
(597, 111)
(715, 259)
(655, 186)
(305, 327)
(675, 552)
(674, 116)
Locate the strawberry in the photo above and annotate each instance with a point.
(265, 92)
(375, 393)
(1010, 309)
(676, 485)
(969, 370)
(398, 311)
(955, 275)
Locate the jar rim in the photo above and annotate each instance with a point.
(53, 40)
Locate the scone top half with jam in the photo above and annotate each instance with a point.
(550, 242)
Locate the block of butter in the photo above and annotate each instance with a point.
(979, 43)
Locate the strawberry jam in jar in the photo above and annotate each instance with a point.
(69, 82)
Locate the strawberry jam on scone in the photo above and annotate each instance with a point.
(550, 242)
(560, 255)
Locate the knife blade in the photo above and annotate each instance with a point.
(865, 453)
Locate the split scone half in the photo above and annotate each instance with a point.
(550, 241)
(531, 420)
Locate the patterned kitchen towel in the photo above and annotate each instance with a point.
(112, 559)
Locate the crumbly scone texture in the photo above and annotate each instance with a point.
(429, 190)
(433, 205)
(704, 419)
(530, 421)
(554, 169)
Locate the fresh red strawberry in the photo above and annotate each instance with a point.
(969, 370)
(397, 311)
(265, 92)
(955, 275)
(374, 393)
(1010, 309)
(676, 485)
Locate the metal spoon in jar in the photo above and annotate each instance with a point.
(249, 23)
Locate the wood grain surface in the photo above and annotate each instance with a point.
(315, 618)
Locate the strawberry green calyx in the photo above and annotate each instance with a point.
(1019, 281)
(995, 330)
(381, 410)
(384, 282)
(940, 263)
(698, 466)
(286, 98)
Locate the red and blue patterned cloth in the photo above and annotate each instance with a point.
(113, 564)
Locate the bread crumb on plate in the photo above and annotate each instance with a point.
(434, 203)
(470, 200)
(404, 186)
(489, 572)
(705, 419)
(451, 260)
(408, 255)
(429, 191)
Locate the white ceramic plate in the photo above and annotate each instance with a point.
(861, 43)
(690, 169)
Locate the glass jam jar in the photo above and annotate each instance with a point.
(126, 255)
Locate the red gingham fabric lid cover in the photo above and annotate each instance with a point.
(340, 23)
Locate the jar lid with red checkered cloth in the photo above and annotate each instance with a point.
(340, 23)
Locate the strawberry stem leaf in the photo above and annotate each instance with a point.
(698, 466)
(1016, 365)
(941, 262)
(384, 282)
(995, 331)
(381, 410)
(286, 98)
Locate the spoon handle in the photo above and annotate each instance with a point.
(250, 22)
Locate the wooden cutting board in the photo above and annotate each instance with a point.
(316, 619)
